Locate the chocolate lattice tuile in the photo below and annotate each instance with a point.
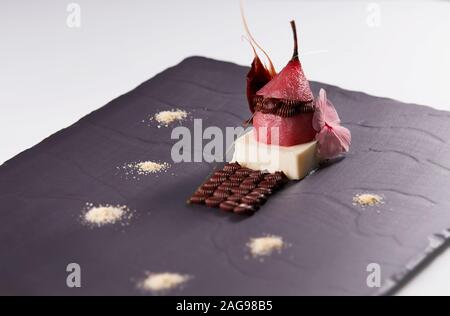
(238, 189)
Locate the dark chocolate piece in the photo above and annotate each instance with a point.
(236, 178)
(240, 191)
(216, 179)
(231, 184)
(223, 173)
(235, 197)
(248, 186)
(250, 180)
(238, 185)
(213, 201)
(257, 174)
(261, 197)
(205, 191)
(243, 172)
(232, 167)
(197, 199)
(265, 191)
(228, 205)
(245, 209)
(224, 187)
(210, 185)
(250, 200)
(221, 194)
(268, 184)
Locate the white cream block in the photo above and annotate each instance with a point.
(295, 161)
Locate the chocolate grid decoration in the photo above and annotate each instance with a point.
(282, 107)
(238, 189)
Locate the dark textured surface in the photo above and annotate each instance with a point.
(399, 150)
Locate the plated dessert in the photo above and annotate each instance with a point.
(292, 132)
(388, 203)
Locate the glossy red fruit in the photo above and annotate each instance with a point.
(284, 103)
(292, 130)
(290, 83)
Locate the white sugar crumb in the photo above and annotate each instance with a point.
(147, 167)
(265, 246)
(158, 282)
(367, 199)
(144, 168)
(164, 118)
(105, 214)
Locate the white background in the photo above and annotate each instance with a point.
(51, 75)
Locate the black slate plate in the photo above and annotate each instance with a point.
(399, 150)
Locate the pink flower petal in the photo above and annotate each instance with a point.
(344, 136)
(332, 138)
(325, 113)
(331, 144)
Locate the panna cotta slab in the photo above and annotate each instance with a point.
(295, 161)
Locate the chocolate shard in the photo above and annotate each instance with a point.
(259, 75)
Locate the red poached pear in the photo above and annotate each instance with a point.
(285, 102)
(283, 131)
(290, 83)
